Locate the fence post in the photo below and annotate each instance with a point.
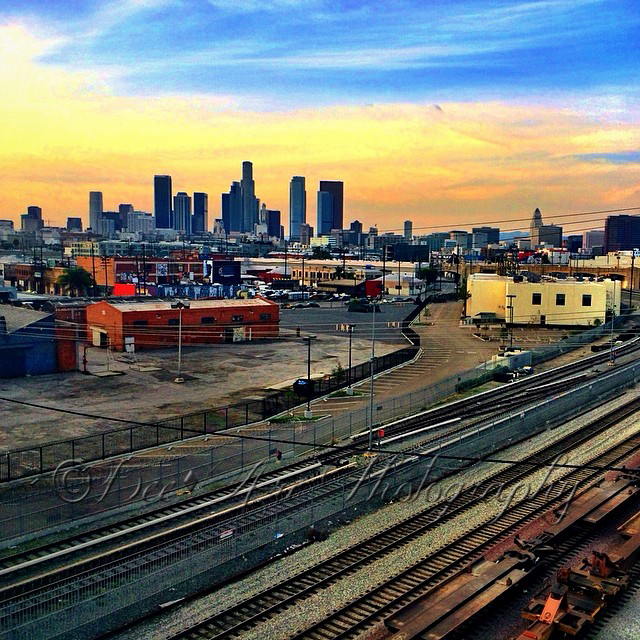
(181, 428)
(246, 413)
(41, 470)
(226, 417)
(204, 422)
(131, 440)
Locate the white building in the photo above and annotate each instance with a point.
(567, 302)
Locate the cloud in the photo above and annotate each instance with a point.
(613, 157)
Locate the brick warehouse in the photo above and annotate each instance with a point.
(155, 324)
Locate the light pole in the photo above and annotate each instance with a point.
(633, 257)
(510, 296)
(349, 387)
(308, 413)
(373, 355)
(180, 306)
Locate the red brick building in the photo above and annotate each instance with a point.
(155, 324)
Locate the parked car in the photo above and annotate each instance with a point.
(311, 304)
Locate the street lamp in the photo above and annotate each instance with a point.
(349, 387)
(308, 413)
(180, 306)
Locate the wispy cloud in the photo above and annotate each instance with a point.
(611, 157)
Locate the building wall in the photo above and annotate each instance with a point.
(489, 294)
(159, 333)
(29, 351)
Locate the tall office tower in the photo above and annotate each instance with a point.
(74, 224)
(297, 207)
(492, 235)
(262, 216)
(594, 238)
(306, 233)
(621, 233)
(249, 201)
(574, 243)
(324, 213)
(408, 230)
(32, 220)
(534, 227)
(200, 220)
(336, 189)
(123, 212)
(95, 209)
(232, 208)
(162, 191)
(550, 234)
(182, 212)
(273, 222)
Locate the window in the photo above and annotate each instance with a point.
(586, 300)
(560, 299)
(173, 322)
(207, 320)
(265, 316)
(140, 323)
(536, 298)
(237, 318)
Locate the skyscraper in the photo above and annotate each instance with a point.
(273, 222)
(534, 227)
(123, 214)
(621, 233)
(336, 189)
(200, 221)
(182, 212)
(324, 213)
(297, 207)
(408, 230)
(162, 191)
(232, 208)
(249, 201)
(32, 220)
(95, 209)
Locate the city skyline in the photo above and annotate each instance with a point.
(468, 111)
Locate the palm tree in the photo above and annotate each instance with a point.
(76, 279)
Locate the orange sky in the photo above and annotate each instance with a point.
(67, 132)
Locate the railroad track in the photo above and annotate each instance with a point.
(174, 515)
(249, 612)
(400, 590)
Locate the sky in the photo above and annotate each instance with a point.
(447, 112)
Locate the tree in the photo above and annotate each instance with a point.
(320, 253)
(76, 279)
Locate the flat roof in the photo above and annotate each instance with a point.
(165, 305)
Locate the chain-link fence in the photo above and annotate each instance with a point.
(86, 606)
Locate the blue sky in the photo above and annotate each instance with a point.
(438, 111)
(305, 52)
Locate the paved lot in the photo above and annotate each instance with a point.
(216, 375)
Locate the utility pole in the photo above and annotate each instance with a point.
(93, 268)
(303, 271)
(285, 259)
(633, 257)
(384, 262)
(308, 413)
(180, 306)
(349, 387)
(373, 356)
(510, 296)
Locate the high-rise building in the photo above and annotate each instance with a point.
(336, 189)
(574, 243)
(408, 230)
(95, 209)
(621, 233)
(74, 224)
(273, 222)
(492, 235)
(182, 212)
(250, 205)
(200, 220)
(306, 233)
(123, 212)
(324, 213)
(32, 220)
(297, 207)
(162, 191)
(550, 235)
(536, 223)
(232, 208)
(140, 222)
(594, 238)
